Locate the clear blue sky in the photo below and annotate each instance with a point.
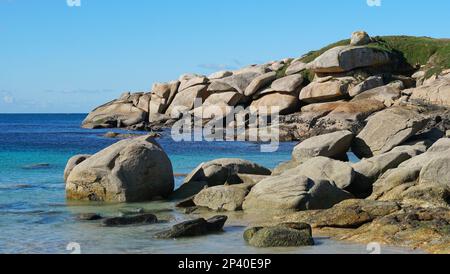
(56, 58)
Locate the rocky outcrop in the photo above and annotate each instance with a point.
(288, 84)
(184, 100)
(419, 228)
(387, 129)
(368, 84)
(260, 82)
(223, 198)
(220, 171)
(330, 90)
(339, 173)
(282, 103)
(283, 235)
(333, 145)
(360, 38)
(347, 58)
(131, 170)
(370, 170)
(436, 92)
(383, 222)
(411, 180)
(293, 192)
(215, 173)
(115, 114)
(347, 214)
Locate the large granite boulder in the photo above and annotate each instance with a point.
(292, 193)
(360, 38)
(333, 145)
(131, 170)
(425, 171)
(288, 84)
(296, 67)
(333, 89)
(386, 94)
(284, 103)
(387, 129)
(239, 81)
(370, 170)
(114, 114)
(218, 172)
(437, 171)
(161, 98)
(347, 58)
(339, 173)
(260, 82)
(194, 81)
(184, 100)
(215, 173)
(436, 92)
(228, 98)
(73, 162)
(369, 83)
(223, 198)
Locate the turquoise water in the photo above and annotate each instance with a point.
(35, 218)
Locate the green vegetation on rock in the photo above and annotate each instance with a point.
(413, 52)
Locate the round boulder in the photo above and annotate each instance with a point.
(131, 170)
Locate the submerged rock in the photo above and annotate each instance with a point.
(283, 235)
(89, 217)
(142, 219)
(197, 227)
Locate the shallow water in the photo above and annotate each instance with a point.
(35, 218)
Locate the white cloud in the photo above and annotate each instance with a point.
(8, 99)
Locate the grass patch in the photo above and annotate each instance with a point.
(310, 56)
(411, 52)
(282, 71)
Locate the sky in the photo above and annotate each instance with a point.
(61, 58)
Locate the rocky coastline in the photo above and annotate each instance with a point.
(368, 95)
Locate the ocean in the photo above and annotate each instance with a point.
(36, 218)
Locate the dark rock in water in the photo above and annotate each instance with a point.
(190, 210)
(188, 190)
(283, 235)
(36, 166)
(216, 223)
(186, 203)
(89, 217)
(194, 228)
(131, 220)
(115, 135)
(132, 211)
